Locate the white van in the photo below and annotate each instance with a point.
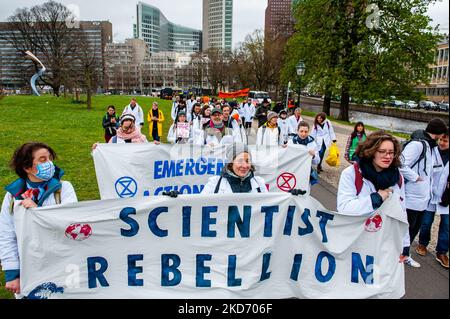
(258, 96)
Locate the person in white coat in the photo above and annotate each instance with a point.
(436, 205)
(238, 175)
(364, 186)
(134, 109)
(247, 113)
(324, 135)
(39, 184)
(303, 138)
(417, 169)
(285, 127)
(180, 132)
(269, 133)
(294, 121)
(215, 132)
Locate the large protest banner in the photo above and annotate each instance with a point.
(223, 246)
(136, 170)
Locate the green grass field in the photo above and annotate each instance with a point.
(69, 128)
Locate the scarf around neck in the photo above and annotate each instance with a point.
(135, 136)
(238, 184)
(381, 180)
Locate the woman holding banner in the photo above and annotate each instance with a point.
(238, 175)
(39, 184)
(364, 186)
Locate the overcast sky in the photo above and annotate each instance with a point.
(248, 15)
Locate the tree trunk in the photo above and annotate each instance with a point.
(89, 98)
(55, 90)
(344, 107)
(326, 108)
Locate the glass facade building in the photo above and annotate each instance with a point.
(162, 35)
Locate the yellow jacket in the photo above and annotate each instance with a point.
(150, 122)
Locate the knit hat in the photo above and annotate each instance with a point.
(282, 111)
(271, 115)
(182, 113)
(235, 149)
(127, 117)
(436, 126)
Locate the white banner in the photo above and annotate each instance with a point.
(196, 246)
(136, 170)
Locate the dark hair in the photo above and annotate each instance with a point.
(111, 107)
(302, 123)
(322, 115)
(353, 135)
(23, 157)
(368, 148)
(204, 109)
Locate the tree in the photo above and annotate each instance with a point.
(352, 48)
(43, 30)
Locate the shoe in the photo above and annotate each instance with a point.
(442, 259)
(421, 250)
(411, 262)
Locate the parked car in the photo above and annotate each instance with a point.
(258, 96)
(411, 105)
(396, 103)
(443, 106)
(427, 105)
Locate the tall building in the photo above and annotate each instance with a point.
(437, 90)
(279, 20)
(162, 35)
(217, 24)
(13, 63)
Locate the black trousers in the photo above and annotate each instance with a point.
(415, 221)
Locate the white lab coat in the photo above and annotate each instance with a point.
(285, 129)
(136, 112)
(310, 146)
(247, 112)
(225, 187)
(325, 134)
(9, 254)
(268, 136)
(438, 191)
(418, 194)
(348, 203)
(293, 123)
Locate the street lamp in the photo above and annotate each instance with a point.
(301, 68)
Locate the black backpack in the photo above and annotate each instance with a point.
(422, 154)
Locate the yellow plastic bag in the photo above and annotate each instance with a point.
(333, 156)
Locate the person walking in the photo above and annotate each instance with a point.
(324, 135)
(110, 123)
(134, 109)
(438, 205)
(238, 175)
(155, 118)
(358, 136)
(417, 169)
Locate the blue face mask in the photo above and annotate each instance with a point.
(45, 171)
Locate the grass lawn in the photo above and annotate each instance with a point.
(69, 128)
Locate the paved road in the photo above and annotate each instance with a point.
(431, 281)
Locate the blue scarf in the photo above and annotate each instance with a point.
(298, 140)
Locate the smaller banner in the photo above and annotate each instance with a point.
(230, 95)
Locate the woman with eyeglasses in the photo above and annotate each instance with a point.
(364, 186)
(378, 166)
(128, 132)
